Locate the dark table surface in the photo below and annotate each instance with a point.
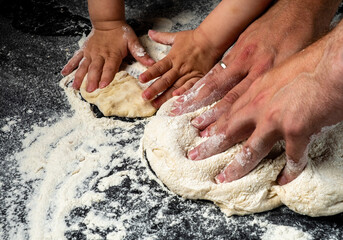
(37, 37)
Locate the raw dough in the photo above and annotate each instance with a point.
(317, 191)
(167, 140)
(122, 97)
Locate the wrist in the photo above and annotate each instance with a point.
(108, 25)
(316, 16)
(206, 42)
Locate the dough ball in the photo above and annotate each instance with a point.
(122, 97)
(317, 191)
(167, 141)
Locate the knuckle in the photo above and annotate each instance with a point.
(95, 68)
(231, 97)
(79, 75)
(167, 81)
(259, 99)
(293, 129)
(272, 117)
(248, 51)
(212, 85)
(264, 66)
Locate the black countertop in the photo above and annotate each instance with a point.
(37, 38)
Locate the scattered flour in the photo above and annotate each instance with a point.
(279, 232)
(83, 179)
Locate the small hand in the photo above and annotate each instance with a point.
(189, 59)
(102, 55)
(292, 102)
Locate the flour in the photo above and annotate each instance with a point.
(81, 177)
(316, 192)
(277, 232)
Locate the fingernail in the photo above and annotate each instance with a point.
(102, 85)
(151, 61)
(197, 121)
(90, 89)
(193, 154)
(145, 96)
(282, 180)
(220, 178)
(142, 78)
(180, 99)
(175, 111)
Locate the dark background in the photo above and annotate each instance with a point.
(37, 37)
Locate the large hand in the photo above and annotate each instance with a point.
(102, 55)
(283, 30)
(189, 59)
(292, 102)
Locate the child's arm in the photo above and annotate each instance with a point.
(109, 42)
(195, 52)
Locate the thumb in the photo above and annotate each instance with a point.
(162, 37)
(139, 53)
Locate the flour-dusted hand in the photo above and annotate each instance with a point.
(110, 40)
(189, 59)
(292, 102)
(195, 52)
(286, 28)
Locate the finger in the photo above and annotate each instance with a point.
(163, 97)
(94, 73)
(188, 85)
(72, 63)
(138, 52)
(162, 37)
(169, 93)
(212, 87)
(296, 159)
(81, 72)
(157, 70)
(110, 68)
(160, 84)
(223, 134)
(224, 105)
(254, 150)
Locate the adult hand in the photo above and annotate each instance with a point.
(292, 102)
(286, 28)
(189, 59)
(102, 54)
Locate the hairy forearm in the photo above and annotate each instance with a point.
(313, 14)
(104, 14)
(224, 24)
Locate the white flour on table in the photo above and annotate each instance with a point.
(72, 162)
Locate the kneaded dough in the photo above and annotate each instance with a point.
(317, 191)
(122, 97)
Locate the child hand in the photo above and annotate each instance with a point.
(189, 59)
(102, 54)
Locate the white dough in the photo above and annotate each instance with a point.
(317, 191)
(122, 97)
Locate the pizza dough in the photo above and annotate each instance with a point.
(122, 97)
(317, 191)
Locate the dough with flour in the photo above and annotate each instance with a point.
(122, 97)
(317, 191)
(167, 140)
